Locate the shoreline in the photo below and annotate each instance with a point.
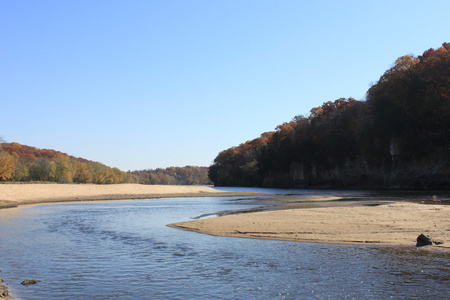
(4, 292)
(383, 224)
(14, 195)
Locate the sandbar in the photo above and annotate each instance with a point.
(12, 195)
(388, 224)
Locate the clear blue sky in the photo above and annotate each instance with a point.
(144, 84)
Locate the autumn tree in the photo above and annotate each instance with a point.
(411, 103)
(81, 173)
(7, 165)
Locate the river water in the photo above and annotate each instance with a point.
(124, 250)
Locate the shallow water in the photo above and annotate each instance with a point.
(124, 250)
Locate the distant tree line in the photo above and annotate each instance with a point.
(21, 163)
(398, 137)
(24, 163)
(188, 175)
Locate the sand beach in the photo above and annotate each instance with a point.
(388, 224)
(12, 195)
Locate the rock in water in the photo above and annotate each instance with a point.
(30, 281)
(423, 240)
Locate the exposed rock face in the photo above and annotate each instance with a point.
(430, 173)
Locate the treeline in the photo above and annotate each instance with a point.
(24, 163)
(21, 163)
(188, 175)
(398, 137)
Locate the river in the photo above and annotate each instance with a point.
(124, 250)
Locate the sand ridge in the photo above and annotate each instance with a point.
(395, 223)
(12, 195)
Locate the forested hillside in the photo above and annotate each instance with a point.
(20, 163)
(188, 175)
(398, 137)
(24, 163)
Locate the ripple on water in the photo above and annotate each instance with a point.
(106, 250)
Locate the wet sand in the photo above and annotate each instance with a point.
(382, 223)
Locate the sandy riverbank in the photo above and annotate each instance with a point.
(12, 195)
(395, 224)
